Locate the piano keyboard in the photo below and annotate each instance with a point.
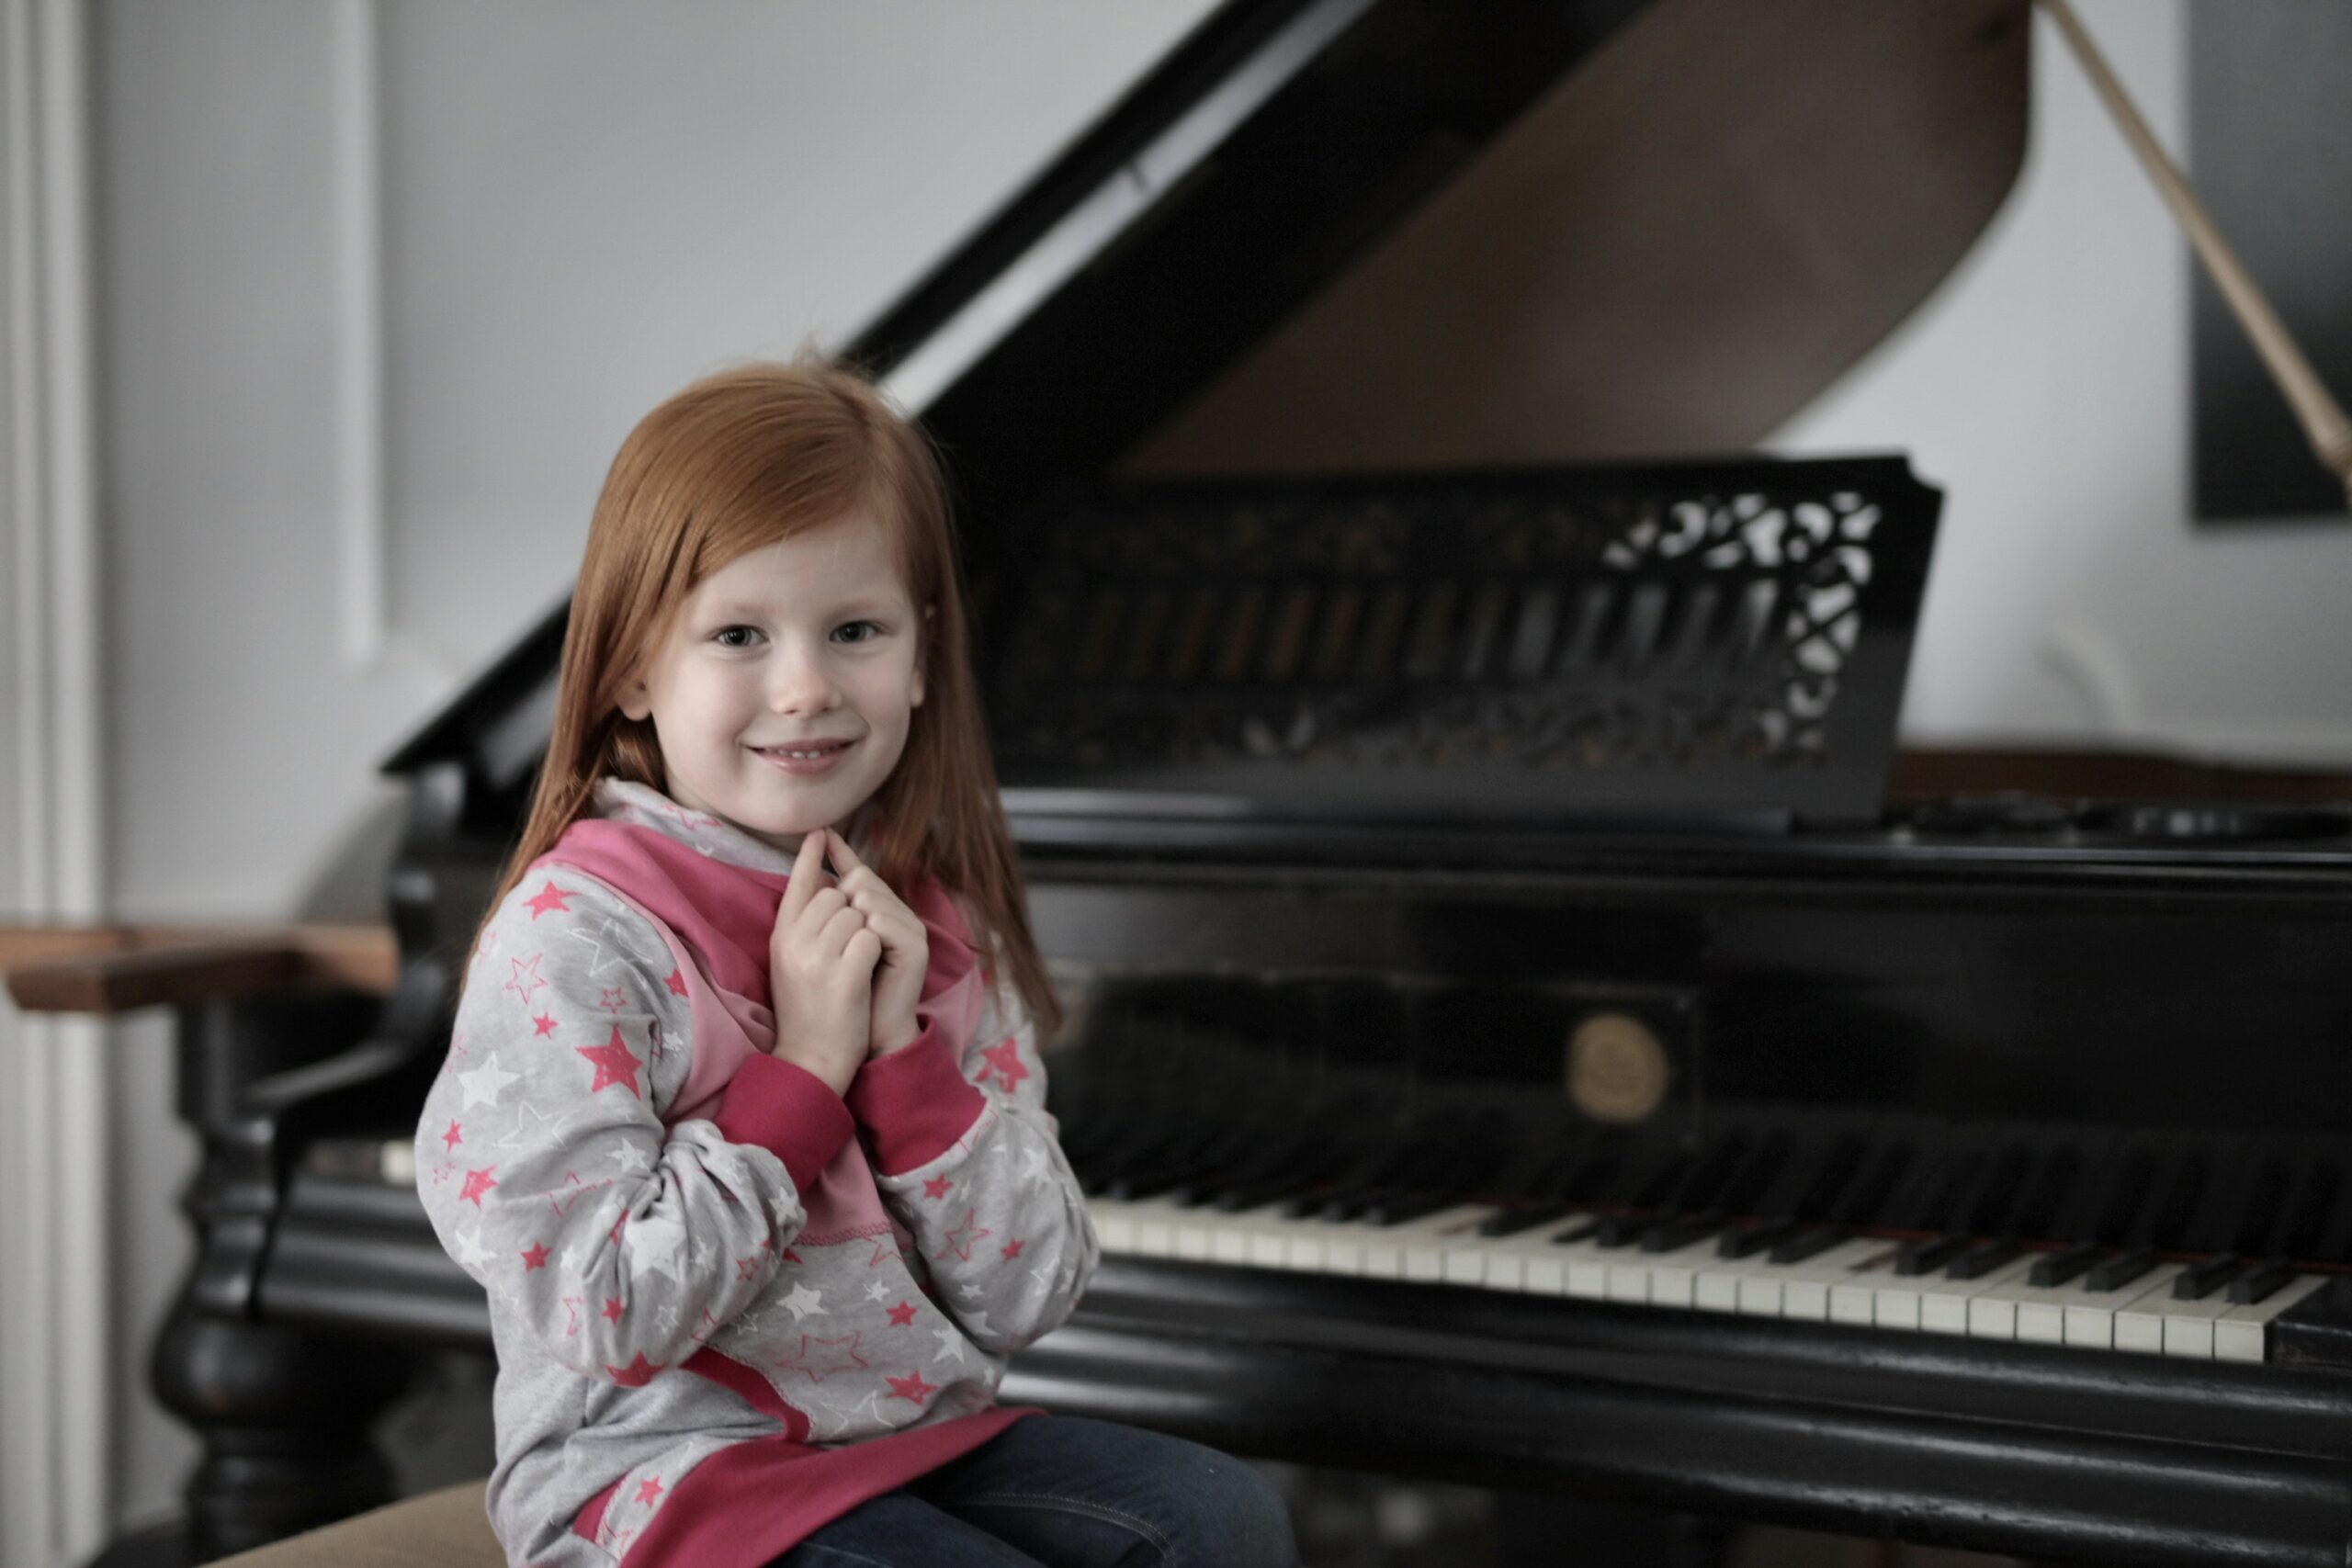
(1856, 1281)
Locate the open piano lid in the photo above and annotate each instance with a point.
(1350, 235)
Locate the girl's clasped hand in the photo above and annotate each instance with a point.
(846, 964)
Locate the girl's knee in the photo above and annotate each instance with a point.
(1236, 1516)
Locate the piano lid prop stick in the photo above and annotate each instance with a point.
(2323, 422)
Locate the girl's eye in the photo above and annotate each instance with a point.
(734, 637)
(871, 630)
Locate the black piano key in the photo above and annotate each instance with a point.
(2260, 1282)
(2202, 1279)
(1928, 1254)
(1619, 1230)
(2060, 1266)
(2184, 1189)
(1239, 1196)
(2060, 1175)
(1584, 1232)
(1809, 1244)
(1671, 1235)
(2114, 1273)
(1704, 1187)
(2004, 1184)
(1843, 1157)
(1396, 1208)
(1756, 1173)
(1982, 1258)
(1953, 1183)
(1877, 1180)
(2128, 1187)
(1512, 1222)
(1664, 1181)
(1589, 1181)
(2260, 1207)
(1747, 1241)
(2306, 1222)
(1350, 1203)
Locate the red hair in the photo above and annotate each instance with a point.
(735, 462)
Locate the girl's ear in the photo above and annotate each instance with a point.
(636, 701)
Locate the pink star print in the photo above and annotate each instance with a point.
(910, 1387)
(677, 981)
(537, 1258)
(637, 1374)
(823, 1358)
(545, 1024)
(614, 1063)
(960, 1239)
(745, 1267)
(551, 898)
(1004, 1061)
(477, 1183)
(450, 1140)
(902, 1314)
(936, 1187)
(525, 978)
(611, 1309)
(1013, 1248)
(650, 1491)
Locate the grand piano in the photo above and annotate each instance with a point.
(1527, 1024)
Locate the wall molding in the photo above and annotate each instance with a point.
(56, 1399)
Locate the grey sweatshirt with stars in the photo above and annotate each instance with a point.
(715, 1287)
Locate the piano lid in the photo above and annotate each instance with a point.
(1343, 234)
(1398, 233)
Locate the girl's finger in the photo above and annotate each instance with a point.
(808, 876)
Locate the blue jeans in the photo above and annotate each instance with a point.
(1067, 1493)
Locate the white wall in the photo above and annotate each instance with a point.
(582, 207)
(2046, 388)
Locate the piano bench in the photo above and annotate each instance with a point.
(449, 1529)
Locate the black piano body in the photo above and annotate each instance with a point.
(1382, 981)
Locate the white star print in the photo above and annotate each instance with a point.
(484, 1083)
(975, 1321)
(633, 1158)
(950, 1344)
(654, 1246)
(1032, 1161)
(471, 1251)
(607, 944)
(804, 1301)
(878, 1290)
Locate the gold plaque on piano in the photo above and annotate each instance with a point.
(1617, 1068)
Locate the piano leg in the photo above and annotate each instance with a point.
(283, 1414)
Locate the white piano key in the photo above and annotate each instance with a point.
(1416, 1250)
(1943, 1302)
(1674, 1275)
(2091, 1314)
(1854, 1298)
(1717, 1284)
(1531, 1261)
(2243, 1332)
(2188, 1325)
(1802, 1289)
(2139, 1323)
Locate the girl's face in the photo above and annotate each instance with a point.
(807, 645)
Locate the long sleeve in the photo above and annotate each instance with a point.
(965, 1154)
(607, 1241)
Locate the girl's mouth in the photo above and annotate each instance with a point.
(808, 760)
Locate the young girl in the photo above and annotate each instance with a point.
(743, 1126)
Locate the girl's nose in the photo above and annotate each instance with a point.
(802, 684)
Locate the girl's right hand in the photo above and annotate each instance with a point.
(821, 973)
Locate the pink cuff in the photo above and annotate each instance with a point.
(787, 1109)
(913, 1103)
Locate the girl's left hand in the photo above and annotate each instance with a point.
(906, 948)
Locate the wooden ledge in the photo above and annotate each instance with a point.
(116, 968)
